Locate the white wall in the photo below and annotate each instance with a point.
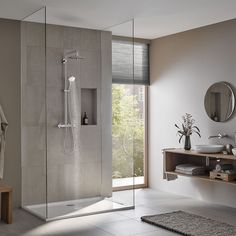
(183, 66)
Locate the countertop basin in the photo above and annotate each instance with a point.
(209, 148)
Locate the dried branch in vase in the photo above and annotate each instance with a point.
(187, 127)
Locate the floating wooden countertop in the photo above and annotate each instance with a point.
(194, 153)
(173, 157)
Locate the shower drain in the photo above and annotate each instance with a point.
(70, 205)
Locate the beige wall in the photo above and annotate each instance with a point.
(10, 85)
(183, 66)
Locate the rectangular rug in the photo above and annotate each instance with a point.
(190, 225)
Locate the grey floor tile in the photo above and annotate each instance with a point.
(141, 210)
(127, 227)
(122, 223)
(160, 232)
(68, 227)
(101, 219)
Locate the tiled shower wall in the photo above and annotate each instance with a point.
(45, 165)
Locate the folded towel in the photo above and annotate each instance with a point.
(190, 169)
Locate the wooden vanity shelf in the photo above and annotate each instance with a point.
(174, 157)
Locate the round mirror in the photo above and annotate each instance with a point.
(219, 102)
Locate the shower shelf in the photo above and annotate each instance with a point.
(89, 105)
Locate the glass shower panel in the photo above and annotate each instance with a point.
(67, 164)
(74, 121)
(123, 126)
(33, 124)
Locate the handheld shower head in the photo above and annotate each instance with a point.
(71, 79)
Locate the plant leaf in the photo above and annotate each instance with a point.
(181, 132)
(180, 138)
(196, 128)
(197, 133)
(177, 126)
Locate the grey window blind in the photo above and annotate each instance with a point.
(122, 62)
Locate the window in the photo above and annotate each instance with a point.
(129, 111)
(128, 134)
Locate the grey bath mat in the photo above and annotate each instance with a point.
(190, 225)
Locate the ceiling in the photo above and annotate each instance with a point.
(153, 18)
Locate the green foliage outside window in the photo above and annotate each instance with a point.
(127, 132)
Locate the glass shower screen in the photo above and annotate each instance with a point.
(67, 120)
(33, 110)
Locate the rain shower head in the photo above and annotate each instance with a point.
(73, 55)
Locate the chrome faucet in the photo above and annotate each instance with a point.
(219, 136)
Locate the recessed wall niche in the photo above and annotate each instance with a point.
(89, 104)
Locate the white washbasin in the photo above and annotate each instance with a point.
(209, 148)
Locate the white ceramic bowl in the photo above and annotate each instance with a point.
(234, 151)
(210, 148)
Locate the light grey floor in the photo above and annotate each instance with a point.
(120, 223)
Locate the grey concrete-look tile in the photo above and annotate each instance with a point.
(33, 146)
(54, 36)
(115, 223)
(55, 106)
(63, 182)
(101, 219)
(34, 185)
(22, 221)
(91, 40)
(35, 32)
(141, 211)
(90, 69)
(70, 227)
(33, 106)
(72, 38)
(55, 76)
(36, 59)
(127, 227)
(106, 186)
(159, 232)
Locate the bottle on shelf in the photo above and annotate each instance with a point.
(85, 119)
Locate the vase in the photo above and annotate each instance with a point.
(187, 143)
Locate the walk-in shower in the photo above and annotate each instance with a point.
(67, 166)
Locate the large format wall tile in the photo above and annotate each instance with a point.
(91, 40)
(34, 185)
(90, 179)
(54, 70)
(69, 182)
(90, 69)
(36, 58)
(72, 38)
(35, 34)
(33, 106)
(55, 106)
(54, 36)
(33, 146)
